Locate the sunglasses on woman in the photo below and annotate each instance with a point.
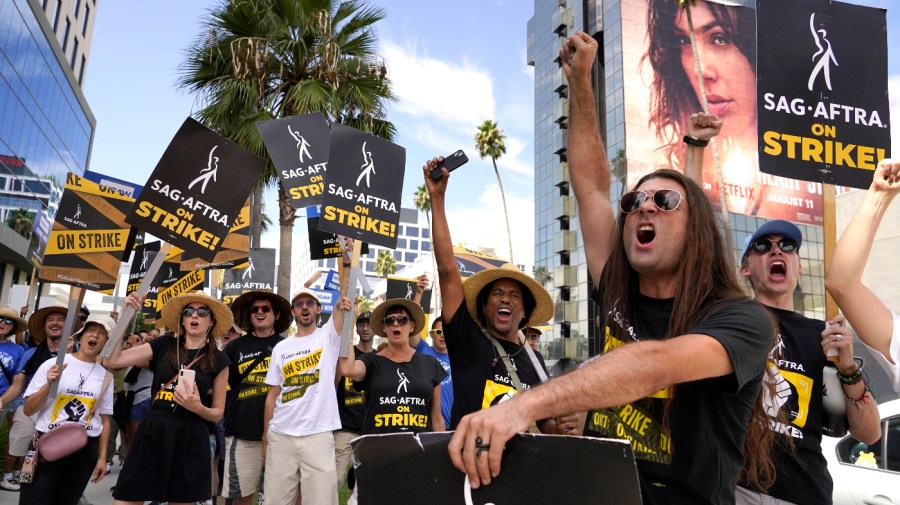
(5, 320)
(763, 245)
(664, 199)
(390, 320)
(200, 311)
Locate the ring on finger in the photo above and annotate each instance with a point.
(839, 337)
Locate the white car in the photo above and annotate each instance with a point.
(867, 475)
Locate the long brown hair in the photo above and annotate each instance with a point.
(672, 98)
(707, 279)
(177, 355)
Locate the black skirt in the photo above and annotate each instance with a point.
(169, 460)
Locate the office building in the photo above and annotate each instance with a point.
(47, 125)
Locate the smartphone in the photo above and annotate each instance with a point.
(451, 162)
(186, 379)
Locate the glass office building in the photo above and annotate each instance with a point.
(46, 128)
(622, 92)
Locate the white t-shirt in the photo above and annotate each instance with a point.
(142, 386)
(303, 367)
(892, 370)
(78, 397)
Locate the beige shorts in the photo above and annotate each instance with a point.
(20, 433)
(243, 467)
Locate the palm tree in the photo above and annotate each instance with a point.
(258, 60)
(385, 264)
(422, 202)
(363, 304)
(541, 274)
(489, 140)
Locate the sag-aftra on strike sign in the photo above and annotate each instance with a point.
(196, 190)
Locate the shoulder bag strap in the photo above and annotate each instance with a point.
(511, 371)
(542, 375)
(176, 373)
(244, 375)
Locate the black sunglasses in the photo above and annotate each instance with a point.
(200, 311)
(664, 199)
(6, 320)
(764, 245)
(260, 308)
(390, 320)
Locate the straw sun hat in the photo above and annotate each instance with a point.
(472, 287)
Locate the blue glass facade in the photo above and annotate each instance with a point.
(46, 127)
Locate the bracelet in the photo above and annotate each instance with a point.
(694, 141)
(855, 377)
(346, 264)
(859, 402)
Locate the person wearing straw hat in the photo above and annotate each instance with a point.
(403, 386)
(771, 264)
(397, 375)
(264, 317)
(46, 326)
(686, 349)
(301, 407)
(170, 457)
(84, 396)
(877, 325)
(482, 323)
(11, 364)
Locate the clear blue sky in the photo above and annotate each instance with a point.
(453, 64)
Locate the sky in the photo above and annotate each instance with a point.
(452, 65)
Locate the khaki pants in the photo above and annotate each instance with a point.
(342, 452)
(306, 461)
(243, 467)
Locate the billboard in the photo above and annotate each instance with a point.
(661, 91)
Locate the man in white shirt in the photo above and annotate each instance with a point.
(301, 407)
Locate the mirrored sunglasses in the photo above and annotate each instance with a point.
(200, 311)
(6, 320)
(763, 245)
(390, 320)
(664, 199)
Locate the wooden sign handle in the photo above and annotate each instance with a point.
(348, 287)
(128, 311)
(76, 298)
(829, 229)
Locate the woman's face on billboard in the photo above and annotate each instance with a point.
(728, 76)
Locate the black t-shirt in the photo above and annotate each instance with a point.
(479, 374)
(802, 477)
(399, 396)
(246, 401)
(699, 457)
(351, 403)
(164, 400)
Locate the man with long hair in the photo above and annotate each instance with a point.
(687, 349)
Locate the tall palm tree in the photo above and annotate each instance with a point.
(489, 140)
(257, 60)
(542, 275)
(385, 264)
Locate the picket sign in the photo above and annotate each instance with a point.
(129, 312)
(76, 298)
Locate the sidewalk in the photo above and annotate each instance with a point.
(97, 494)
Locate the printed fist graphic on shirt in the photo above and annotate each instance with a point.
(74, 410)
(782, 392)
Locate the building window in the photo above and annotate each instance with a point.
(65, 39)
(56, 15)
(81, 70)
(84, 20)
(77, 7)
(74, 58)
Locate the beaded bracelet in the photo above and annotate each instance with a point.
(855, 377)
(694, 141)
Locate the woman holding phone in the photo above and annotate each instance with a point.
(169, 460)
